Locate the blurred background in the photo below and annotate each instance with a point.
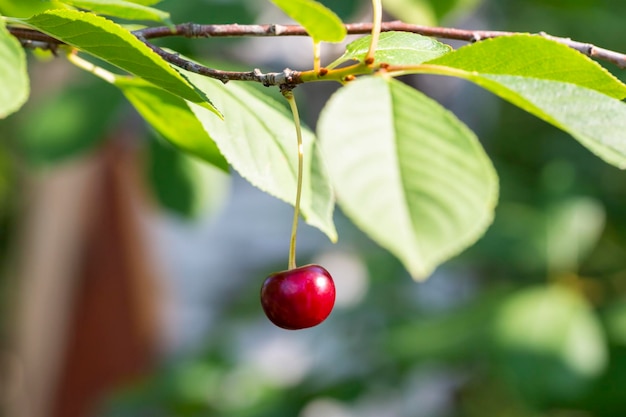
(130, 274)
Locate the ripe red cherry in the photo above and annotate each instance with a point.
(298, 298)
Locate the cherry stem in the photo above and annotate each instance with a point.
(72, 56)
(377, 18)
(316, 56)
(288, 94)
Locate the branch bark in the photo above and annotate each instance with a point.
(33, 38)
(192, 30)
(286, 77)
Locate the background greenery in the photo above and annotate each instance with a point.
(531, 321)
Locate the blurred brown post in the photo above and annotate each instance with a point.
(87, 316)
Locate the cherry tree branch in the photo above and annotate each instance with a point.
(286, 77)
(192, 30)
(33, 38)
(24, 34)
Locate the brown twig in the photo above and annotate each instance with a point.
(35, 38)
(286, 77)
(192, 30)
(591, 50)
(24, 34)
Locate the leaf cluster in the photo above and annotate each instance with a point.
(404, 169)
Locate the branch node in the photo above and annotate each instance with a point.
(290, 76)
(195, 30)
(276, 29)
(46, 46)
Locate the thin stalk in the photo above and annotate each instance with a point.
(338, 75)
(317, 52)
(100, 72)
(288, 94)
(377, 19)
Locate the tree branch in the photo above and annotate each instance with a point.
(24, 34)
(33, 38)
(286, 77)
(192, 30)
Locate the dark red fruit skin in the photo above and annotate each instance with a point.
(298, 298)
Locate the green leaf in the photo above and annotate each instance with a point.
(551, 81)
(553, 329)
(614, 316)
(321, 23)
(112, 43)
(146, 2)
(68, 123)
(14, 85)
(533, 56)
(258, 139)
(428, 12)
(171, 117)
(395, 48)
(182, 184)
(122, 9)
(345, 9)
(594, 119)
(454, 334)
(27, 8)
(407, 172)
(573, 229)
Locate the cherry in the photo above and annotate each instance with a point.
(298, 298)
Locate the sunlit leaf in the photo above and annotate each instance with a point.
(259, 140)
(428, 12)
(122, 9)
(115, 45)
(321, 23)
(27, 8)
(551, 81)
(533, 56)
(407, 172)
(171, 117)
(397, 48)
(14, 85)
(146, 2)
